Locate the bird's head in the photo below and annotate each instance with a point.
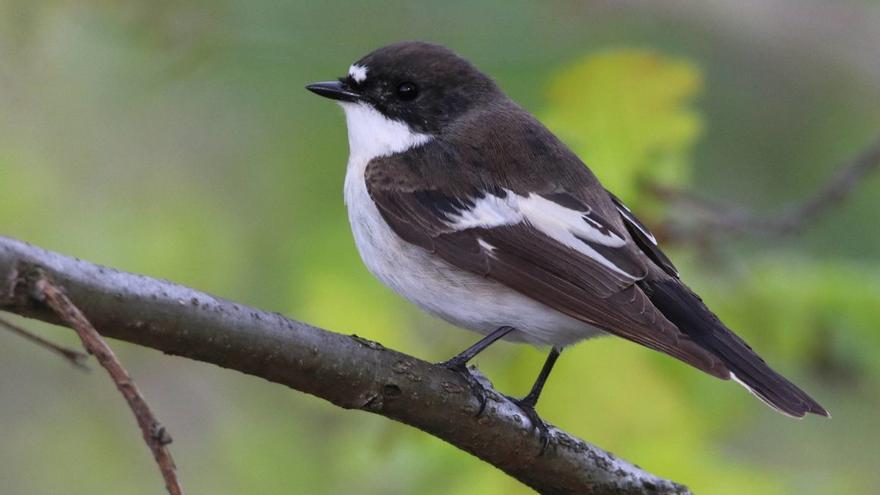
(406, 90)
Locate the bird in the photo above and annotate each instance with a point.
(466, 205)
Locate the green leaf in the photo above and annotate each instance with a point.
(628, 114)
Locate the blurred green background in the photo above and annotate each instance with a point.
(175, 139)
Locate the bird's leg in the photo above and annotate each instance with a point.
(527, 404)
(466, 355)
(458, 363)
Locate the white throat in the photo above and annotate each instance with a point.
(371, 134)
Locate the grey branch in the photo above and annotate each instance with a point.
(348, 371)
(716, 219)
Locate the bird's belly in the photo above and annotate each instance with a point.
(462, 298)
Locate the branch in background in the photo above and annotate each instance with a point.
(154, 433)
(348, 371)
(715, 219)
(75, 358)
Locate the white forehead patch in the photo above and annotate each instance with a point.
(357, 72)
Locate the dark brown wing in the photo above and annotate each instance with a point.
(546, 244)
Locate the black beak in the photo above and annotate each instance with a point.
(335, 90)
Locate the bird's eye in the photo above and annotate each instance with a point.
(407, 91)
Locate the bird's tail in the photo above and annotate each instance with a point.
(686, 310)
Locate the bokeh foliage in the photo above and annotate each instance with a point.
(174, 139)
(630, 114)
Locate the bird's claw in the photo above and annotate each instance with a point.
(476, 387)
(528, 408)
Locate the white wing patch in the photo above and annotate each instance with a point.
(562, 223)
(487, 212)
(485, 245)
(358, 73)
(566, 226)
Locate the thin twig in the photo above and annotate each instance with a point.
(155, 435)
(74, 357)
(715, 219)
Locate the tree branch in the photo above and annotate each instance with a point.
(716, 219)
(348, 371)
(155, 436)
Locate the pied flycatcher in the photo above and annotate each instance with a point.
(466, 205)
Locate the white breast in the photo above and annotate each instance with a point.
(459, 297)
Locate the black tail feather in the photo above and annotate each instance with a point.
(687, 311)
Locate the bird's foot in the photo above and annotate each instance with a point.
(527, 406)
(461, 368)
